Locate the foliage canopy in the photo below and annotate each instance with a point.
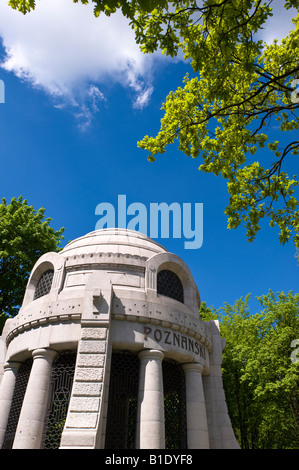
(261, 369)
(239, 90)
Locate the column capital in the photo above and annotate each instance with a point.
(12, 365)
(151, 353)
(194, 366)
(45, 353)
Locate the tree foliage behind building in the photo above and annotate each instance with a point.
(261, 369)
(25, 235)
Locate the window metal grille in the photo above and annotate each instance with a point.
(122, 405)
(123, 402)
(169, 284)
(174, 405)
(44, 284)
(17, 401)
(62, 376)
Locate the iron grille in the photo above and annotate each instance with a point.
(62, 376)
(174, 406)
(122, 405)
(17, 401)
(169, 284)
(44, 284)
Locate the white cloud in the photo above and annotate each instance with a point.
(143, 98)
(89, 107)
(63, 49)
(279, 24)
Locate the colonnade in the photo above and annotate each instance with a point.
(30, 427)
(150, 417)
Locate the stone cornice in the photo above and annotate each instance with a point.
(44, 321)
(76, 317)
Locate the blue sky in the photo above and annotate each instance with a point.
(75, 107)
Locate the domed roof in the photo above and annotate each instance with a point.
(113, 240)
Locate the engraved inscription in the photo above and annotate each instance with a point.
(175, 339)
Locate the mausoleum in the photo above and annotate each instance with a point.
(108, 351)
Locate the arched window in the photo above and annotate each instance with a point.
(44, 284)
(169, 284)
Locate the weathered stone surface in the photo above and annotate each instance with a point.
(89, 374)
(91, 360)
(92, 346)
(87, 389)
(94, 333)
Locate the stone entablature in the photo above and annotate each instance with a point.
(123, 308)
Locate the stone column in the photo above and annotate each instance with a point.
(32, 417)
(221, 434)
(150, 418)
(197, 427)
(6, 395)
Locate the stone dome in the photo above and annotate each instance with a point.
(113, 240)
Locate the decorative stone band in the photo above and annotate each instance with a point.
(76, 317)
(93, 259)
(65, 317)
